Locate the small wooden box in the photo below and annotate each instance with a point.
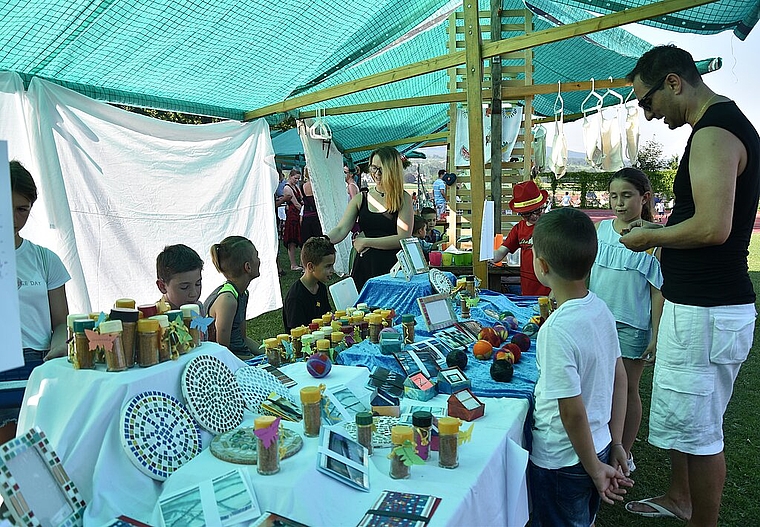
(452, 380)
(465, 405)
(419, 387)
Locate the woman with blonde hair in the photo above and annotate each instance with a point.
(385, 217)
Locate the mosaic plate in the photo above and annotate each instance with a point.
(256, 384)
(381, 436)
(212, 394)
(158, 434)
(440, 282)
(239, 445)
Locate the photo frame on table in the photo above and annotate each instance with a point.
(437, 312)
(34, 484)
(344, 459)
(413, 251)
(339, 403)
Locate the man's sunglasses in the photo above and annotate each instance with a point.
(646, 101)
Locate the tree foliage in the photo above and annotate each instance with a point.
(651, 158)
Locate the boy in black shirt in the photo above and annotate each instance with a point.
(307, 298)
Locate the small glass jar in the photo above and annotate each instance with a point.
(375, 326)
(336, 343)
(323, 346)
(148, 310)
(470, 286)
(84, 357)
(465, 307)
(317, 335)
(336, 325)
(448, 439)
(387, 315)
(364, 329)
(422, 421)
(189, 312)
(311, 402)
(164, 342)
(147, 342)
(363, 307)
(348, 335)
(306, 341)
(407, 326)
(295, 339)
(281, 338)
(326, 331)
(272, 346)
(128, 303)
(364, 423)
(178, 347)
(268, 461)
(314, 326)
(400, 434)
(115, 360)
(326, 319)
(128, 317)
(543, 307)
(340, 313)
(71, 334)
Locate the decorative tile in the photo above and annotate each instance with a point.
(212, 394)
(256, 384)
(239, 445)
(158, 434)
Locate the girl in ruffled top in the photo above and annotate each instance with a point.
(629, 282)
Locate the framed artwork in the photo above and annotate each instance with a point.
(34, 484)
(344, 459)
(437, 311)
(413, 253)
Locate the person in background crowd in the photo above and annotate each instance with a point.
(528, 202)
(352, 189)
(307, 298)
(238, 260)
(310, 225)
(385, 218)
(42, 301)
(709, 315)
(439, 195)
(178, 276)
(291, 237)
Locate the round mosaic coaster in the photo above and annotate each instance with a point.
(158, 434)
(256, 385)
(239, 445)
(381, 436)
(440, 281)
(212, 394)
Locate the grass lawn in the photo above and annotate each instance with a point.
(741, 503)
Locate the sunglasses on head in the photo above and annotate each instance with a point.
(646, 101)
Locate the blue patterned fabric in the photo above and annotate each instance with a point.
(398, 293)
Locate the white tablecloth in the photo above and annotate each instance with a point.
(488, 488)
(80, 412)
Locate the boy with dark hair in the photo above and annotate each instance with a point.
(178, 272)
(433, 235)
(577, 456)
(307, 297)
(419, 231)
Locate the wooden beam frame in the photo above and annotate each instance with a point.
(404, 141)
(584, 27)
(507, 93)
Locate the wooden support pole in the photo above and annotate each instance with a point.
(496, 119)
(474, 76)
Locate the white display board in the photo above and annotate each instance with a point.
(12, 356)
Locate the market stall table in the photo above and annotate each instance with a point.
(80, 412)
(490, 486)
(397, 292)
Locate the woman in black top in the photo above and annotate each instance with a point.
(385, 217)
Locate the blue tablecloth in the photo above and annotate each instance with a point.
(397, 293)
(478, 371)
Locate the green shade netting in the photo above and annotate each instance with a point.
(226, 57)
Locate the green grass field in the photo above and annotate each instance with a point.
(741, 500)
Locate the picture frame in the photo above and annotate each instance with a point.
(414, 254)
(344, 459)
(35, 486)
(437, 312)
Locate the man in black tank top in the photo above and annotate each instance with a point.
(709, 315)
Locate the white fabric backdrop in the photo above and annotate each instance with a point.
(116, 187)
(329, 186)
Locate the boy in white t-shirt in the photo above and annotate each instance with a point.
(577, 457)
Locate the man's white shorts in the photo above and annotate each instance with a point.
(699, 353)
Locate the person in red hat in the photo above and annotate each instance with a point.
(529, 202)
